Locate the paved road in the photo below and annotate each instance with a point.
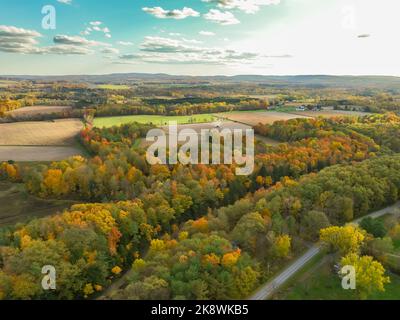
(266, 291)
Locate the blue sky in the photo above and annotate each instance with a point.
(201, 37)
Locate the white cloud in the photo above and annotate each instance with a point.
(23, 41)
(125, 43)
(224, 18)
(160, 13)
(96, 26)
(207, 33)
(183, 51)
(129, 56)
(65, 1)
(12, 31)
(18, 40)
(110, 50)
(66, 49)
(161, 44)
(76, 41)
(193, 41)
(248, 6)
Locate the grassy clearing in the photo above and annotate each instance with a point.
(320, 283)
(154, 119)
(17, 205)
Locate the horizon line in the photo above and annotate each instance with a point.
(200, 76)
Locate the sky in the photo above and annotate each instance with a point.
(200, 37)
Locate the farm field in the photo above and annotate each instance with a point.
(253, 118)
(223, 125)
(18, 205)
(37, 110)
(330, 113)
(40, 141)
(6, 83)
(37, 153)
(50, 133)
(155, 119)
(211, 125)
(113, 87)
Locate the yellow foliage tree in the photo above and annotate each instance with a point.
(347, 239)
(157, 245)
(370, 274)
(53, 182)
(282, 246)
(201, 225)
(212, 259)
(88, 290)
(116, 270)
(230, 259)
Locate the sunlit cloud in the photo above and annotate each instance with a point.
(207, 33)
(65, 1)
(160, 13)
(248, 6)
(224, 18)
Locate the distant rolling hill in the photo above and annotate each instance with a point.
(388, 82)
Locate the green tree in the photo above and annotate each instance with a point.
(375, 227)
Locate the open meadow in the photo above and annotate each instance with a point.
(18, 205)
(318, 282)
(154, 119)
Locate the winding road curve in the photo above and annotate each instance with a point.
(267, 290)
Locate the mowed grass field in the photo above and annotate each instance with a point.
(40, 141)
(318, 282)
(154, 119)
(17, 205)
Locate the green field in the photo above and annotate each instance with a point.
(17, 205)
(113, 86)
(318, 282)
(156, 120)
